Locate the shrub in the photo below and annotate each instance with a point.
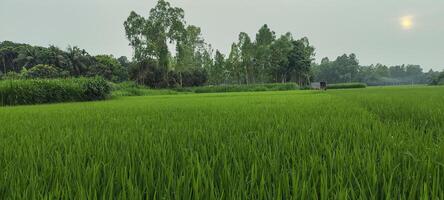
(246, 88)
(43, 71)
(346, 85)
(37, 91)
(11, 76)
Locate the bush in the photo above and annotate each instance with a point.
(346, 85)
(11, 76)
(43, 71)
(246, 88)
(38, 91)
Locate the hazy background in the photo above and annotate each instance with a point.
(369, 28)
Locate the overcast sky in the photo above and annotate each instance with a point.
(372, 29)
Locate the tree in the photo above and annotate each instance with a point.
(188, 50)
(188, 46)
(280, 51)
(217, 73)
(300, 60)
(108, 67)
(262, 54)
(7, 55)
(344, 69)
(149, 37)
(79, 60)
(234, 64)
(43, 71)
(397, 71)
(246, 52)
(57, 58)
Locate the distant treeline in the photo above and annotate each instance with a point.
(267, 58)
(346, 68)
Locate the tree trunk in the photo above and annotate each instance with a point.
(4, 65)
(246, 75)
(180, 78)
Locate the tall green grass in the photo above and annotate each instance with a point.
(346, 85)
(378, 143)
(38, 91)
(127, 89)
(243, 88)
(132, 89)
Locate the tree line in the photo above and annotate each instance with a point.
(346, 68)
(26, 61)
(168, 52)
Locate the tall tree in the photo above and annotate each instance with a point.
(300, 60)
(246, 47)
(262, 54)
(217, 72)
(234, 64)
(280, 51)
(149, 37)
(79, 60)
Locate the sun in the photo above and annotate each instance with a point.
(406, 22)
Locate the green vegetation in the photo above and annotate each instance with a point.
(246, 88)
(346, 68)
(437, 79)
(378, 143)
(38, 91)
(346, 85)
(132, 89)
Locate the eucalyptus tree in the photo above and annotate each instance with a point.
(150, 36)
(217, 71)
(246, 51)
(262, 53)
(234, 64)
(280, 51)
(300, 61)
(189, 48)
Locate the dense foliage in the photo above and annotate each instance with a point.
(37, 91)
(378, 143)
(26, 61)
(436, 78)
(346, 68)
(267, 59)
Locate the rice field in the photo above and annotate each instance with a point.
(373, 143)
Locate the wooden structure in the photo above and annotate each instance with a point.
(319, 85)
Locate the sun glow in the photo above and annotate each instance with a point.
(406, 22)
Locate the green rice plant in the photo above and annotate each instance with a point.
(346, 85)
(377, 143)
(132, 89)
(38, 91)
(246, 88)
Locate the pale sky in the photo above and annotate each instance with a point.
(377, 31)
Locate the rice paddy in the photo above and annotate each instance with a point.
(374, 143)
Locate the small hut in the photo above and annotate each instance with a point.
(319, 85)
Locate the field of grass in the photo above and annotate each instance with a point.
(377, 143)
